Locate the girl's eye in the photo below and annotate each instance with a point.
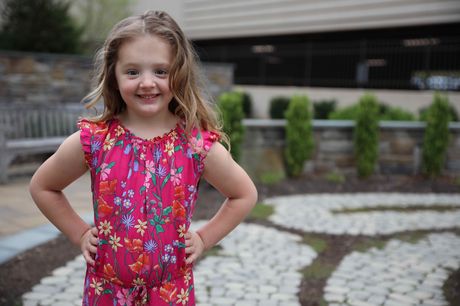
(161, 72)
(132, 72)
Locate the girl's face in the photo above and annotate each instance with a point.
(142, 74)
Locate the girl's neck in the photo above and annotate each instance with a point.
(148, 127)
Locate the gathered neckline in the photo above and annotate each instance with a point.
(164, 136)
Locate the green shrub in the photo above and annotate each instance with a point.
(385, 112)
(247, 105)
(322, 109)
(391, 113)
(366, 135)
(299, 135)
(346, 113)
(453, 113)
(436, 138)
(231, 107)
(278, 106)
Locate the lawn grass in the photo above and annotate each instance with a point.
(335, 177)
(318, 244)
(261, 212)
(271, 177)
(318, 270)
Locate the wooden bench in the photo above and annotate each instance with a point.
(12, 148)
(31, 129)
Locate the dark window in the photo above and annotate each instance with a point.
(399, 58)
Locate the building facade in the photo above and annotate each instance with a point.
(380, 44)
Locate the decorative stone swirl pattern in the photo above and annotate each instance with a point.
(257, 266)
(314, 213)
(401, 274)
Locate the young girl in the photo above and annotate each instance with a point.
(146, 154)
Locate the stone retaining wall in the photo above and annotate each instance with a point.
(42, 78)
(400, 147)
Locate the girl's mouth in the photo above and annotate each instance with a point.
(147, 97)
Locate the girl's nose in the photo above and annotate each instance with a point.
(147, 81)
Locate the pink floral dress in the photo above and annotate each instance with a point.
(144, 193)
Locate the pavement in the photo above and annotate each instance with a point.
(258, 265)
(21, 220)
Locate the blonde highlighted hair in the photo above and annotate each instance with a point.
(185, 83)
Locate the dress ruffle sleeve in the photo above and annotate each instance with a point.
(202, 141)
(92, 136)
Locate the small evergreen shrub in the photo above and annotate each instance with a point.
(436, 138)
(278, 106)
(247, 105)
(322, 109)
(452, 111)
(366, 135)
(345, 113)
(299, 135)
(385, 112)
(391, 113)
(231, 108)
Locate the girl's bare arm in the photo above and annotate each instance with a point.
(61, 169)
(222, 172)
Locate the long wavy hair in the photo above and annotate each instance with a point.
(185, 80)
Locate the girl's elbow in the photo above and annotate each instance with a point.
(252, 196)
(34, 188)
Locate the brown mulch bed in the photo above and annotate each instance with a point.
(20, 274)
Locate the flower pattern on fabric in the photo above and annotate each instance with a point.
(144, 194)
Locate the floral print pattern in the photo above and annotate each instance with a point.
(144, 193)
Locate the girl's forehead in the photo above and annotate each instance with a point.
(145, 47)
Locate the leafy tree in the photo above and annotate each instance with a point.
(39, 26)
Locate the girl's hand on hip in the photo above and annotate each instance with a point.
(88, 245)
(194, 246)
